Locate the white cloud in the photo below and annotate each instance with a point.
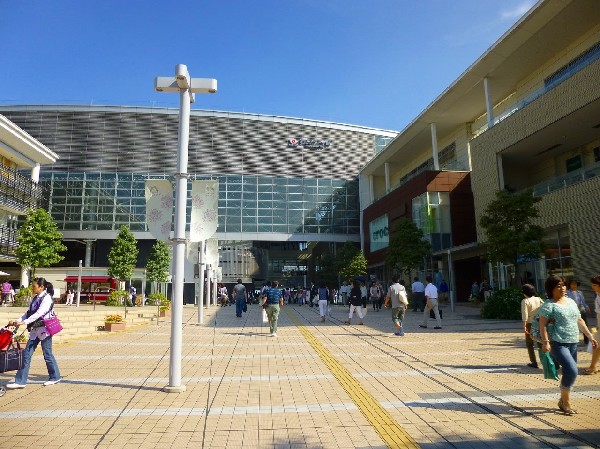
(517, 11)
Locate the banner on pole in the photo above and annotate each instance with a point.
(212, 252)
(205, 201)
(159, 208)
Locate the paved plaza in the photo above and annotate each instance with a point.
(317, 385)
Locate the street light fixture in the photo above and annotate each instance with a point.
(187, 87)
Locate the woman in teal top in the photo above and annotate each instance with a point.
(561, 340)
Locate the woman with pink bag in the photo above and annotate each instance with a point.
(39, 309)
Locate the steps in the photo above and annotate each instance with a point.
(85, 321)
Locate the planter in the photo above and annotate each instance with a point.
(114, 327)
(164, 313)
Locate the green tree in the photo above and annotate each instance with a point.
(407, 247)
(159, 262)
(351, 262)
(327, 269)
(123, 255)
(508, 225)
(40, 242)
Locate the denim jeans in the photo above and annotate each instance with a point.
(239, 306)
(566, 355)
(51, 365)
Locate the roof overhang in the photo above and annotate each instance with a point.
(549, 26)
(21, 148)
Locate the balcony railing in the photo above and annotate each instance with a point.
(18, 193)
(8, 241)
(567, 180)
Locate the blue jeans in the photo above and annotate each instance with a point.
(51, 365)
(239, 306)
(566, 355)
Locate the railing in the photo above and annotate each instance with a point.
(567, 180)
(19, 193)
(8, 241)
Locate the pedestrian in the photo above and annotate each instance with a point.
(364, 295)
(577, 296)
(70, 296)
(431, 297)
(272, 301)
(6, 295)
(355, 303)
(345, 291)
(40, 308)
(399, 299)
(529, 305)
(240, 296)
(374, 296)
(474, 292)
(443, 291)
(323, 301)
(593, 368)
(132, 292)
(561, 340)
(314, 294)
(418, 295)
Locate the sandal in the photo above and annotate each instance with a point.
(565, 410)
(589, 372)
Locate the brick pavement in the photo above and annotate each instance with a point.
(317, 385)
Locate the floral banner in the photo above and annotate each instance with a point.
(212, 252)
(205, 199)
(159, 208)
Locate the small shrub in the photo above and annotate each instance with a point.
(159, 299)
(504, 305)
(113, 319)
(117, 298)
(23, 297)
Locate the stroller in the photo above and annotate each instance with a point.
(11, 353)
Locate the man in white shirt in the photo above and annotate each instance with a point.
(397, 295)
(418, 295)
(431, 297)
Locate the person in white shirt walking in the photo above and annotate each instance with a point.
(397, 295)
(431, 303)
(529, 305)
(418, 296)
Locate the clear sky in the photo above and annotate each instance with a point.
(376, 63)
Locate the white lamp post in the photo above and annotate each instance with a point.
(187, 87)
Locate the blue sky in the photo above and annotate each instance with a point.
(376, 63)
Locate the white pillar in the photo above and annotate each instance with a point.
(434, 147)
(35, 173)
(25, 276)
(88, 253)
(489, 105)
(201, 282)
(386, 167)
(181, 178)
(79, 284)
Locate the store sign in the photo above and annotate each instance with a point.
(378, 231)
(309, 144)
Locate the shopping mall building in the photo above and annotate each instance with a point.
(288, 187)
(525, 115)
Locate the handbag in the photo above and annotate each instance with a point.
(52, 325)
(265, 318)
(12, 358)
(534, 331)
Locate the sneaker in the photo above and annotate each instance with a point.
(14, 386)
(401, 333)
(397, 333)
(423, 326)
(274, 334)
(532, 365)
(51, 382)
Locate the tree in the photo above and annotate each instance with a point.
(123, 255)
(40, 242)
(351, 262)
(507, 221)
(159, 263)
(407, 247)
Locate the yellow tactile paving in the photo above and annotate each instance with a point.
(388, 429)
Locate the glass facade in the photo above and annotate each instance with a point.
(431, 213)
(258, 204)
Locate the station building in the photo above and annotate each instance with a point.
(288, 188)
(525, 115)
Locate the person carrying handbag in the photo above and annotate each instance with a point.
(40, 308)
